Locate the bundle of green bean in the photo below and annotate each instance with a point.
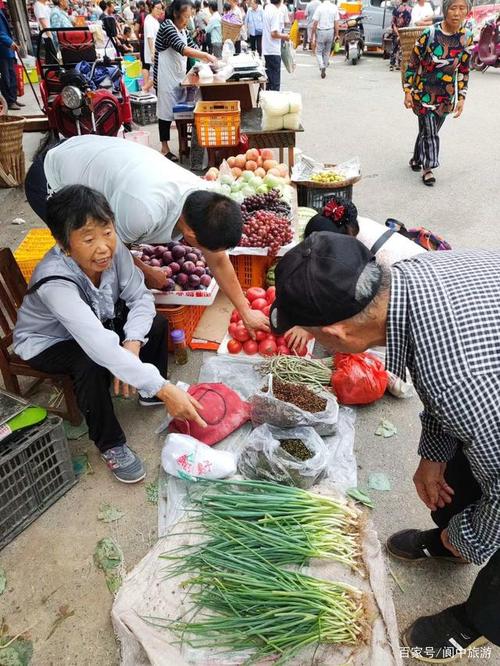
(314, 373)
(258, 607)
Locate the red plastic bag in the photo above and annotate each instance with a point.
(358, 379)
(223, 411)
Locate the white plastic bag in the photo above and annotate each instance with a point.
(186, 457)
(268, 409)
(271, 123)
(291, 121)
(263, 457)
(288, 56)
(279, 103)
(228, 50)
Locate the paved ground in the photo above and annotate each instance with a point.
(356, 111)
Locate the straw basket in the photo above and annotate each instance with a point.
(407, 38)
(11, 151)
(230, 31)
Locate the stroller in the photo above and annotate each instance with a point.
(81, 94)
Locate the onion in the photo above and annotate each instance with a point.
(194, 280)
(199, 271)
(205, 280)
(200, 263)
(182, 279)
(167, 270)
(167, 257)
(170, 286)
(174, 267)
(178, 251)
(191, 256)
(188, 267)
(155, 262)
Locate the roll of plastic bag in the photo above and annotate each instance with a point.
(187, 458)
(291, 121)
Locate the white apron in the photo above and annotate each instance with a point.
(171, 72)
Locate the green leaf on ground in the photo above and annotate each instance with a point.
(3, 581)
(360, 496)
(81, 465)
(75, 432)
(109, 513)
(379, 481)
(109, 558)
(14, 650)
(152, 492)
(386, 429)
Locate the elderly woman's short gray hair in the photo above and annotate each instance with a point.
(448, 3)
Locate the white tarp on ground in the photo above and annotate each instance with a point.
(147, 594)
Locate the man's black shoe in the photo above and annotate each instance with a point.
(442, 638)
(417, 545)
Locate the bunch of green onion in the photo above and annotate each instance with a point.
(255, 606)
(253, 529)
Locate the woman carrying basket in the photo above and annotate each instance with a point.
(172, 49)
(436, 82)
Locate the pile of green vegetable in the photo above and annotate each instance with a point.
(313, 373)
(243, 599)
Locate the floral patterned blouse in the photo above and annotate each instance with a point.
(401, 16)
(438, 72)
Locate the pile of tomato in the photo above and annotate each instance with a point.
(265, 343)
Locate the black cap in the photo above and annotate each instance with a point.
(316, 282)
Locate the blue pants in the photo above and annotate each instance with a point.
(8, 83)
(273, 71)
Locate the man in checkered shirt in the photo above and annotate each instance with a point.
(439, 316)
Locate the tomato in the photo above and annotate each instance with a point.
(302, 351)
(271, 295)
(267, 347)
(235, 316)
(255, 292)
(241, 334)
(283, 350)
(260, 335)
(232, 329)
(250, 347)
(281, 341)
(234, 347)
(259, 304)
(267, 310)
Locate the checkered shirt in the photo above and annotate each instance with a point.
(444, 325)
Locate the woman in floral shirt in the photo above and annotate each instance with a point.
(401, 18)
(436, 82)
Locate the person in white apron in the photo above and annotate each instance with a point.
(172, 49)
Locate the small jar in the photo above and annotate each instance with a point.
(180, 347)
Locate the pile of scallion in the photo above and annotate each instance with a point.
(244, 601)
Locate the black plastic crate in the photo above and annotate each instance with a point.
(317, 198)
(35, 470)
(144, 112)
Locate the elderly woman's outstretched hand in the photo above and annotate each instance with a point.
(180, 405)
(408, 100)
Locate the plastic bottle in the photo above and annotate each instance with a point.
(180, 347)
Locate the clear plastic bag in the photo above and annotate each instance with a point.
(265, 408)
(263, 457)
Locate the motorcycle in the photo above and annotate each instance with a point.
(82, 94)
(486, 53)
(354, 39)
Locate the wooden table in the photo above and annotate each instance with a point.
(218, 90)
(251, 126)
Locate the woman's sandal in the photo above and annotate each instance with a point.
(429, 179)
(415, 166)
(172, 157)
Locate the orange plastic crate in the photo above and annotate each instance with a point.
(251, 269)
(184, 317)
(32, 249)
(217, 123)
